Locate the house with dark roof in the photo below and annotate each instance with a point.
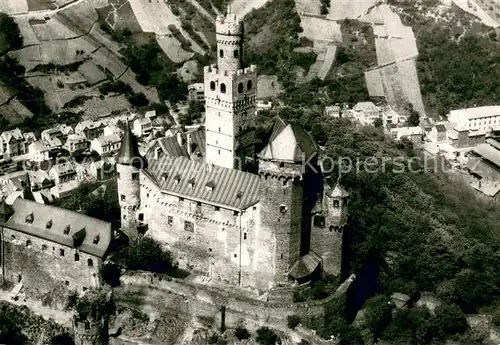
(45, 247)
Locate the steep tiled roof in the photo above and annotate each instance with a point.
(232, 188)
(337, 191)
(289, 143)
(305, 266)
(171, 147)
(129, 150)
(108, 139)
(63, 225)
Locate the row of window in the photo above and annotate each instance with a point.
(90, 262)
(135, 176)
(236, 53)
(223, 86)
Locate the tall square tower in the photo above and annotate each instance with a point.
(230, 94)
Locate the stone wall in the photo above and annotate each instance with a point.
(128, 197)
(206, 301)
(44, 266)
(213, 241)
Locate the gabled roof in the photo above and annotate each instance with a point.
(61, 219)
(289, 143)
(232, 188)
(337, 191)
(305, 266)
(108, 139)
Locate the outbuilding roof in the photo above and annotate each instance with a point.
(93, 236)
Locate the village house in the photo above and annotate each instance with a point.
(103, 169)
(438, 133)
(91, 129)
(13, 143)
(413, 134)
(38, 152)
(63, 173)
(111, 129)
(106, 144)
(366, 113)
(196, 92)
(332, 111)
(46, 247)
(480, 118)
(143, 127)
(76, 142)
(40, 180)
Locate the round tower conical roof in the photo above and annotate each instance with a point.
(129, 150)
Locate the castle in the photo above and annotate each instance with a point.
(280, 226)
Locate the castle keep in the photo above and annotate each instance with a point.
(279, 226)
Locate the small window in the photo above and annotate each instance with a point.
(236, 54)
(124, 217)
(189, 226)
(12, 237)
(336, 203)
(240, 87)
(283, 208)
(90, 262)
(217, 208)
(44, 247)
(141, 217)
(170, 220)
(212, 85)
(30, 218)
(210, 249)
(219, 129)
(235, 255)
(122, 197)
(49, 224)
(67, 229)
(249, 85)
(245, 236)
(221, 53)
(84, 288)
(77, 257)
(223, 88)
(235, 213)
(96, 239)
(135, 176)
(28, 243)
(118, 175)
(61, 252)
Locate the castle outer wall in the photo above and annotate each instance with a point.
(44, 265)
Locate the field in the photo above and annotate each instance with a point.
(268, 86)
(242, 7)
(308, 6)
(352, 9)
(13, 6)
(39, 5)
(316, 28)
(172, 48)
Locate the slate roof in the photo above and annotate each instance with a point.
(232, 188)
(60, 219)
(289, 143)
(488, 152)
(108, 139)
(171, 147)
(305, 266)
(129, 150)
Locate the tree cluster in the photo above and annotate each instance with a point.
(144, 254)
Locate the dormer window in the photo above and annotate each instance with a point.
(30, 218)
(164, 176)
(96, 239)
(191, 183)
(210, 186)
(177, 178)
(49, 224)
(239, 195)
(67, 230)
(336, 203)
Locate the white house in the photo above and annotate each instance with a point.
(76, 142)
(414, 134)
(479, 118)
(106, 144)
(366, 113)
(143, 127)
(332, 111)
(38, 152)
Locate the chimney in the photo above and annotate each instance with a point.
(479, 184)
(180, 139)
(189, 144)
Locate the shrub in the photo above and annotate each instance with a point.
(266, 336)
(138, 100)
(110, 274)
(144, 254)
(293, 321)
(242, 333)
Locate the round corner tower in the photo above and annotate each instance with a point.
(229, 30)
(128, 165)
(89, 331)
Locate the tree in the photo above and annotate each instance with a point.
(110, 274)
(10, 35)
(138, 99)
(449, 320)
(378, 123)
(144, 254)
(293, 321)
(414, 118)
(378, 314)
(10, 334)
(266, 336)
(242, 333)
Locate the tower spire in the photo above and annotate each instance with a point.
(129, 150)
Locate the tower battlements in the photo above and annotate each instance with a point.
(229, 25)
(212, 70)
